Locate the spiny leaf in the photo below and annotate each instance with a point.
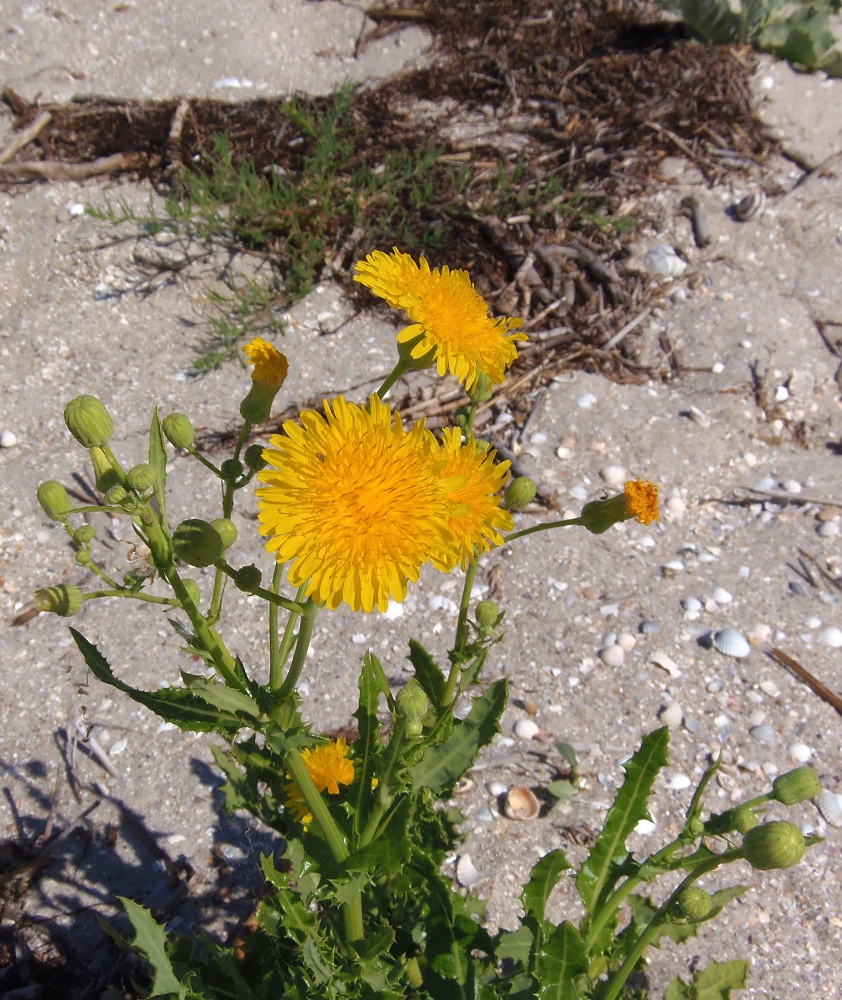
(158, 461)
(542, 880)
(562, 958)
(219, 696)
(151, 939)
(428, 673)
(719, 978)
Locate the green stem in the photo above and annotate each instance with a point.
(122, 592)
(352, 911)
(384, 797)
(92, 566)
(227, 510)
(400, 368)
(617, 981)
(288, 636)
(201, 458)
(274, 651)
(305, 632)
(282, 602)
(541, 527)
(464, 606)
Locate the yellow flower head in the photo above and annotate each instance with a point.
(354, 502)
(270, 366)
(478, 519)
(448, 316)
(329, 767)
(642, 500)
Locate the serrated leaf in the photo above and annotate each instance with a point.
(719, 978)
(440, 767)
(181, 707)
(229, 700)
(158, 461)
(712, 20)
(678, 990)
(562, 958)
(372, 684)
(151, 940)
(628, 808)
(427, 672)
(515, 945)
(543, 879)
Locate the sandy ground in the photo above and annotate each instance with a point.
(73, 320)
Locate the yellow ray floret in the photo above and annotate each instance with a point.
(478, 520)
(270, 366)
(448, 316)
(355, 503)
(329, 767)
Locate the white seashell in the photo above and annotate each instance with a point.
(722, 596)
(762, 733)
(521, 803)
(626, 641)
(8, 439)
(676, 507)
(662, 259)
(792, 486)
(828, 529)
(799, 752)
(751, 206)
(665, 663)
(118, 746)
(484, 815)
(497, 788)
(770, 688)
(613, 656)
(832, 636)
(613, 475)
(466, 873)
(730, 642)
(586, 400)
(760, 633)
(645, 827)
(671, 715)
(830, 806)
(678, 782)
(691, 604)
(526, 729)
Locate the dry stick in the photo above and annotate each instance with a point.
(57, 170)
(627, 329)
(24, 137)
(176, 164)
(804, 674)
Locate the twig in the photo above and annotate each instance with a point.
(57, 170)
(176, 164)
(809, 557)
(25, 136)
(627, 329)
(99, 755)
(804, 674)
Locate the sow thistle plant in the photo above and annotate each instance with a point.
(352, 504)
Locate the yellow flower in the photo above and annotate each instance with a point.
(354, 502)
(329, 767)
(642, 500)
(270, 366)
(448, 316)
(478, 520)
(638, 500)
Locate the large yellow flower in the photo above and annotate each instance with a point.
(329, 767)
(478, 520)
(448, 316)
(355, 503)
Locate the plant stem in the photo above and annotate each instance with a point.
(288, 636)
(400, 368)
(227, 510)
(201, 458)
(541, 527)
(274, 650)
(464, 605)
(282, 602)
(305, 632)
(122, 592)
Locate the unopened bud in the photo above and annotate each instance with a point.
(799, 785)
(63, 600)
(231, 469)
(411, 705)
(488, 614)
(254, 459)
(519, 493)
(248, 578)
(116, 495)
(227, 531)
(482, 390)
(778, 844)
(141, 478)
(694, 902)
(88, 421)
(197, 543)
(105, 475)
(84, 535)
(54, 500)
(178, 430)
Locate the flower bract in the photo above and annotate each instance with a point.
(329, 767)
(448, 316)
(355, 503)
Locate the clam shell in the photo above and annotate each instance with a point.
(730, 642)
(521, 803)
(665, 662)
(830, 806)
(466, 873)
(526, 729)
(613, 656)
(751, 206)
(662, 259)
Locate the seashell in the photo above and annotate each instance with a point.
(521, 803)
(464, 786)
(118, 746)
(466, 873)
(613, 475)
(526, 729)
(662, 259)
(613, 656)
(751, 206)
(799, 752)
(762, 733)
(830, 806)
(645, 827)
(8, 439)
(497, 788)
(671, 715)
(678, 782)
(665, 663)
(832, 636)
(721, 596)
(691, 604)
(626, 641)
(730, 642)
(648, 627)
(484, 815)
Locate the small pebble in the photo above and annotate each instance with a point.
(538, 438)
(798, 588)
(613, 656)
(715, 686)
(676, 507)
(757, 717)
(760, 633)
(828, 514)
(671, 715)
(648, 627)
(827, 529)
(762, 733)
(358, 638)
(692, 725)
(721, 596)
(530, 705)
(564, 452)
(466, 873)
(765, 484)
(678, 782)
(832, 636)
(801, 383)
(118, 746)
(526, 729)
(813, 623)
(662, 259)
(586, 400)
(799, 752)
(8, 439)
(792, 486)
(781, 394)
(497, 788)
(579, 491)
(613, 475)
(393, 611)
(770, 688)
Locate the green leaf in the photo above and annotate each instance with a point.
(628, 808)
(181, 707)
(368, 745)
(712, 20)
(385, 856)
(229, 700)
(516, 945)
(440, 767)
(718, 979)
(561, 790)
(562, 958)
(427, 672)
(678, 990)
(151, 940)
(158, 461)
(542, 880)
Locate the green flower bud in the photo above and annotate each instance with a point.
(197, 543)
(63, 600)
(178, 430)
(105, 475)
(694, 902)
(116, 495)
(192, 589)
(54, 500)
(88, 421)
(141, 478)
(411, 705)
(231, 469)
(257, 406)
(744, 819)
(248, 578)
(778, 844)
(227, 531)
(799, 785)
(695, 827)
(488, 614)
(84, 536)
(254, 458)
(413, 355)
(519, 493)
